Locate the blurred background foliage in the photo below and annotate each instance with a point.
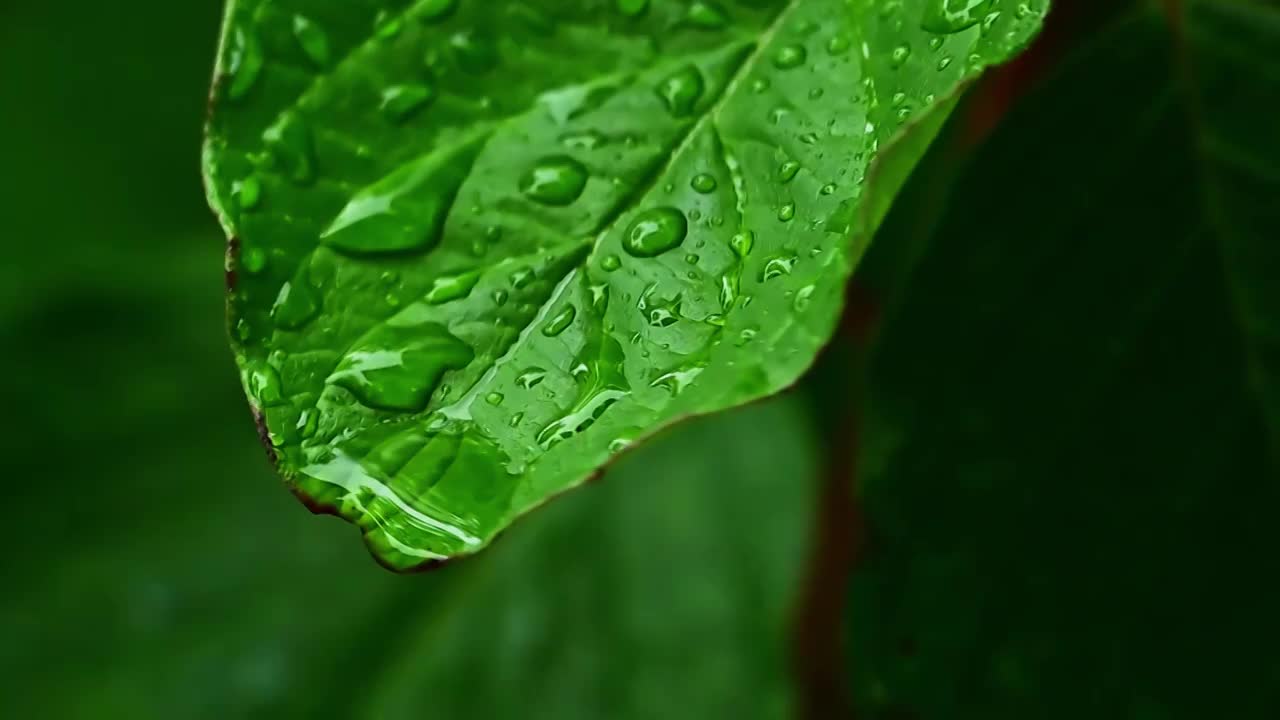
(1068, 472)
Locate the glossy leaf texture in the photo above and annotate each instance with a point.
(1071, 464)
(479, 248)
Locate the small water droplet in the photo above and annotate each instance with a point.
(560, 321)
(742, 243)
(557, 180)
(787, 171)
(655, 231)
(703, 183)
(838, 44)
(789, 56)
(500, 297)
(681, 90)
(944, 62)
(248, 192)
(787, 212)
(253, 260)
(609, 263)
(312, 39)
(828, 189)
(803, 298)
(585, 140)
(517, 419)
(387, 25)
(899, 55)
(494, 398)
(777, 267)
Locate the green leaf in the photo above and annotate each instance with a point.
(480, 248)
(1071, 464)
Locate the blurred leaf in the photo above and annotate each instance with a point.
(1072, 432)
(478, 249)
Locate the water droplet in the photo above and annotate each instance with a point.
(703, 183)
(398, 365)
(777, 267)
(263, 384)
(828, 189)
(403, 211)
(609, 263)
(556, 180)
(681, 90)
(677, 380)
(585, 140)
(291, 144)
(474, 52)
(312, 39)
(399, 102)
(494, 398)
(632, 8)
(500, 297)
(746, 336)
(787, 212)
(944, 62)
(531, 377)
(789, 56)
(838, 44)
(707, 14)
(517, 419)
(691, 259)
(521, 278)
(803, 297)
(452, 287)
(952, 16)
(387, 24)
(560, 321)
(899, 55)
(742, 243)
(435, 10)
(655, 231)
(759, 85)
(244, 62)
(787, 171)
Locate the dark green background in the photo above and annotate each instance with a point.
(1069, 469)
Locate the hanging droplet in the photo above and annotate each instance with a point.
(556, 180)
(655, 231)
(681, 91)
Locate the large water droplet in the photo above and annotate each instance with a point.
(452, 287)
(398, 365)
(560, 321)
(556, 180)
(403, 211)
(399, 102)
(655, 231)
(312, 39)
(244, 62)
(681, 90)
(952, 16)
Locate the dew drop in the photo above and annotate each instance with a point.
(777, 267)
(787, 212)
(531, 377)
(253, 260)
(742, 243)
(838, 44)
(655, 231)
(803, 297)
(557, 180)
(609, 263)
(248, 192)
(494, 398)
(899, 55)
(787, 171)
